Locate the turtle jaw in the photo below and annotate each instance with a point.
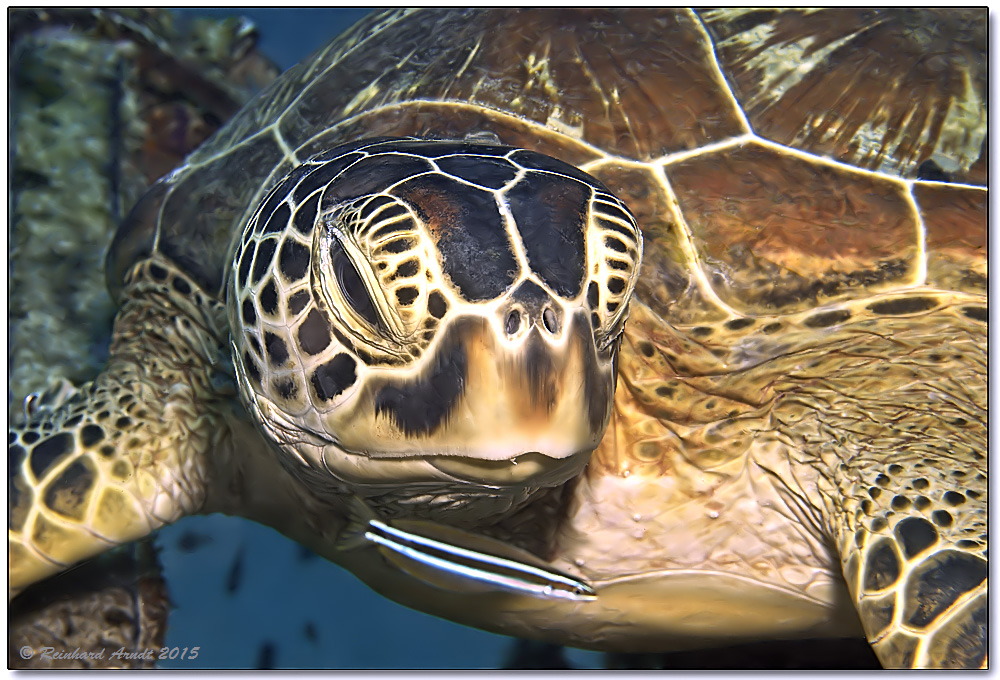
(486, 409)
(534, 467)
(483, 423)
(484, 415)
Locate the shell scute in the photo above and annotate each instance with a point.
(666, 284)
(955, 220)
(642, 85)
(777, 232)
(908, 87)
(193, 215)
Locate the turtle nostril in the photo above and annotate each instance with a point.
(513, 322)
(550, 320)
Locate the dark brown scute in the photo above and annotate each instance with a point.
(492, 173)
(91, 435)
(437, 305)
(277, 351)
(277, 220)
(181, 286)
(48, 452)
(938, 582)
(370, 175)
(321, 176)
(915, 535)
(262, 259)
(468, 229)
(68, 493)
(305, 215)
(286, 387)
(297, 302)
(253, 370)
(550, 212)
(269, 297)
(899, 503)
(825, 319)
(243, 269)
(977, 313)
(953, 498)
(293, 260)
(314, 333)
(248, 313)
(406, 295)
(882, 566)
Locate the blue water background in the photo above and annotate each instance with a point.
(247, 595)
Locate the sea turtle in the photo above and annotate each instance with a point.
(413, 258)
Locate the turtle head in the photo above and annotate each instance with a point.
(416, 312)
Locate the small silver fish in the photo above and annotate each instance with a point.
(460, 561)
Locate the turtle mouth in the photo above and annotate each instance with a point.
(414, 475)
(540, 469)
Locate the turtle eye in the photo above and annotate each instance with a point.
(351, 285)
(374, 263)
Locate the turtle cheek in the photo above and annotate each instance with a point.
(616, 254)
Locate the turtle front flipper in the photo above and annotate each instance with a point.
(908, 501)
(127, 453)
(916, 565)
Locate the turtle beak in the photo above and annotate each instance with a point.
(489, 408)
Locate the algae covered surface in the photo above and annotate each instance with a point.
(102, 104)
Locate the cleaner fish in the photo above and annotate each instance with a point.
(457, 560)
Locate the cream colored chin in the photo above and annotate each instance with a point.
(539, 469)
